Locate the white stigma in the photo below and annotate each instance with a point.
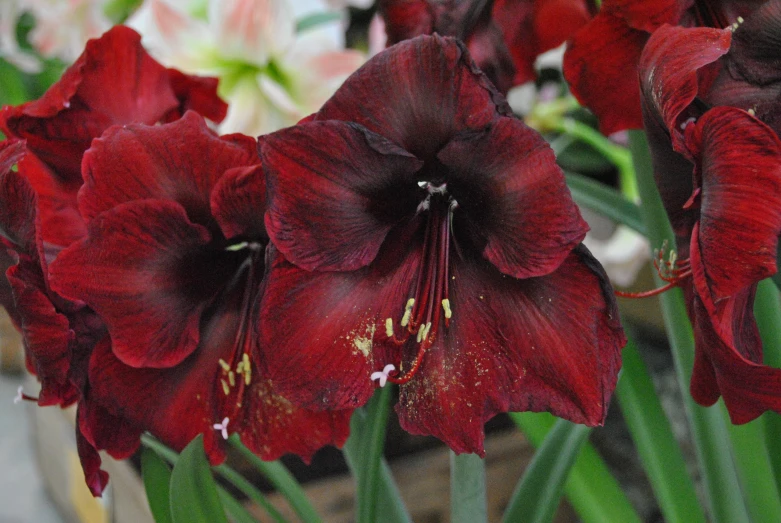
(222, 427)
(382, 375)
(18, 398)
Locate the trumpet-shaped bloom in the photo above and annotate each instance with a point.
(719, 173)
(601, 60)
(271, 74)
(424, 227)
(173, 263)
(504, 37)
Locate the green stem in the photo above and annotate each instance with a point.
(767, 309)
(659, 451)
(282, 480)
(708, 429)
(373, 444)
(591, 489)
(467, 489)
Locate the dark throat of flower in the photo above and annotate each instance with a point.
(428, 308)
(671, 270)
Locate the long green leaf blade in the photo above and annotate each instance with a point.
(373, 445)
(156, 476)
(467, 489)
(537, 495)
(194, 497)
(606, 201)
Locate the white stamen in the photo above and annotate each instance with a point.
(222, 427)
(389, 327)
(18, 399)
(686, 122)
(382, 375)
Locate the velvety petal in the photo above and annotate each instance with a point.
(740, 211)
(525, 210)
(323, 328)
(600, 64)
(540, 344)
(95, 478)
(648, 16)
(668, 72)
(196, 93)
(436, 87)
(335, 190)
(405, 19)
(18, 215)
(104, 431)
(179, 161)
(748, 387)
(113, 82)
(487, 46)
(143, 270)
(515, 20)
(754, 53)
(238, 202)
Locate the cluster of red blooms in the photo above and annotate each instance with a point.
(413, 230)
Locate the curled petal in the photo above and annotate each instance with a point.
(313, 165)
(140, 269)
(517, 172)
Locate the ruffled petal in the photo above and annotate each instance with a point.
(740, 211)
(179, 161)
(143, 268)
(525, 210)
(238, 202)
(436, 87)
(196, 93)
(405, 19)
(599, 65)
(335, 190)
(648, 16)
(113, 82)
(540, 344)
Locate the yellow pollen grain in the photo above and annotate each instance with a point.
(224, 365)
(389, 327)
(225, 387)
(448, 310)
(232, 378)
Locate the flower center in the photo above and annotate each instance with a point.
(428, 306)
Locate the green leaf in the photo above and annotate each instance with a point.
(537, 495)
(249, 490)
(467, 489)
(659, 451)
(591, 489)
(605, 200)
(194, 497)
(313, 20)
(157, 476)
(711, 440)
(238, 512)
(282, 480)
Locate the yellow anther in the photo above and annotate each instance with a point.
(225, 387)
(232, 378)
(407, 312)
(240, 367)
(740, 19)
(426, 328)
(247, 374)
(245, 360)
(752, 112)
(224, 365)
(423, 332)
(389, 327)
(448, 310)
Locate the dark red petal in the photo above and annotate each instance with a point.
(179, 161)
(740, 213)
(113, 82)
(335, 190)
(754, 51)
(140, 270)
(515, 20)
(437, 92)
(748, 387)
(95, 478)
(238, 202)
(668, 72)
(11, 152)
(324, 327)
(489, 51)
(18, 213)
(196, 93)
(647, 16)
(540, 344)
(406, 19)
(526, 213)
(105, 431)
(600, 66)
(555, 21)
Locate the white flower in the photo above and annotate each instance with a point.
(9, 49)
(270, 74)
(622, 255)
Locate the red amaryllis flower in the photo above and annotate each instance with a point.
(174, 264)
(433, 243)
(719, 174)
(503, 36)
(601, 60)
(114, 82)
